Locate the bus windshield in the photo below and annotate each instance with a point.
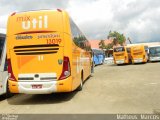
(154, 50)
(119, 49)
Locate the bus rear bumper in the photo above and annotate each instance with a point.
(120, 62)
(40, 87)
(138, 61)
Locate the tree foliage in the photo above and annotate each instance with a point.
(102, 44)
(117, 37)
(109, 46)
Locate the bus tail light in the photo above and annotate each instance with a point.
(66, 71)
(11, 76)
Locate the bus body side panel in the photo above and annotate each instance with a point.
(81, 58)
(3, 67)
(66, 84)
(86, 65)
(4, 81)
(69, 51)
(76, 66)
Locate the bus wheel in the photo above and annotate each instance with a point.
(94, 64)
(80, 87)
(8, 93)
(92, 69)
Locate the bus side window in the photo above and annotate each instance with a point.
(78, 38)
(5, 66)
(2, 40)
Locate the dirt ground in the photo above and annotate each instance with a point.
(112, 89)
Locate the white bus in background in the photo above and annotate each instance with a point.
(154, 53)
(3, 66)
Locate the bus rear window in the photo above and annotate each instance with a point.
(119, 49)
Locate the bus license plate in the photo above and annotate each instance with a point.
(36, 86)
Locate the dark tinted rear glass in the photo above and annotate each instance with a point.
(119, 49)
(2, 40)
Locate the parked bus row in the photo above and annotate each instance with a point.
(136, 54)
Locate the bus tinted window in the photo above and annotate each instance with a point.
(119, 49)
(154, 50)
(78, 38)
(2, 39)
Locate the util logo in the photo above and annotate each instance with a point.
(41, 22)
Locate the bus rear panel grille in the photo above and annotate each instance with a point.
(36, 49)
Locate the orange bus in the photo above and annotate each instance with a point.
(139, 53)
(121, 55)
(46, 53)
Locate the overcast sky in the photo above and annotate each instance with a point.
(137, 19)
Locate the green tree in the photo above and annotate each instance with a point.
(109, 46)
(117, 37)
(102, 44)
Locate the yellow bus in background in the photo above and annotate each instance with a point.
(46, 53)
(122, 55)
(139, 53)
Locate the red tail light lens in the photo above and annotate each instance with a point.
(11, 76)
(66, 72)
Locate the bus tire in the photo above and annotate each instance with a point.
(80, 87)
(92, 69)
(8, 93)
(94, 64)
